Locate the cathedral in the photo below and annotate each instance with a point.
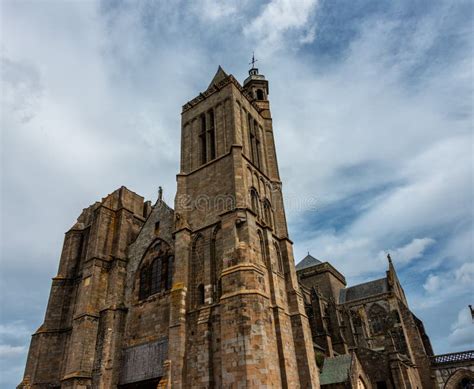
(207, 294)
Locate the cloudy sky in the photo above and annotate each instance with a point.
(373, 114)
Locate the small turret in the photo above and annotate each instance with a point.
(256, 84)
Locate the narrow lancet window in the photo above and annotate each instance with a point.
(268, 213)
(279, 259)
(212, 136)
(251, 139)
(203, 139)
(257, 145)
(201, 294)
(254, 201)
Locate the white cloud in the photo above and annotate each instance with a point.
(446, 285)
(93, 96)
(462, 330)
(16, 329)
(410, 251)
(432, 283)
(217, 10)
(465, 274)
(278, 18)
(7, 351)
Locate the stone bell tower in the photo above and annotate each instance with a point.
(237, 317)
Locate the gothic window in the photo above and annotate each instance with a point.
(156, 273)
(377, 317)
(395, 317)
(259, 94)
(268, 213)
(203, 139)
(144, 283)
(257, 145)
(262, 246)
(251, 138)
(399, 341)
(198, 269)
(212, 135)
(201, 294)
(254, 198)
(216, 261)
(155, 285)
(279, 259)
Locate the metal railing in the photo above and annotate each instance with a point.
(463, 356)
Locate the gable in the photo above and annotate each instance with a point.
(218, 77)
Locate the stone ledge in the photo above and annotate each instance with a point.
(243, 292)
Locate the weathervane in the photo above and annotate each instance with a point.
(253, 60)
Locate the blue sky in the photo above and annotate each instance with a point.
(372, 104)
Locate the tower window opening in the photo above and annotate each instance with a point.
(203, 139)
(251, 138)
(260, 94)
(212, 136)
(279, 258)
(257, 145)
(254, 199)
(200, 294)
(267, 213)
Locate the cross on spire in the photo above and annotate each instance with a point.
(253, 60)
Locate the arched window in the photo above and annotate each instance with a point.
(212, 135)
(155, 285)
(216, 261)
(251, 138)
(279, 259)
(254, 198)
(399, 340)
(144, 283)
(260, 94)
(268, 213)
(197, 272)
(377, 317)
(156, 271)
(203, 139)
(262, 246)
(258, 155)
(200, 294)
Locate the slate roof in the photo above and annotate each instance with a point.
(364, 290)
(307, 261)
(336, 370)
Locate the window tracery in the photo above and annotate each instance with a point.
(377, 318)
(156, 271)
